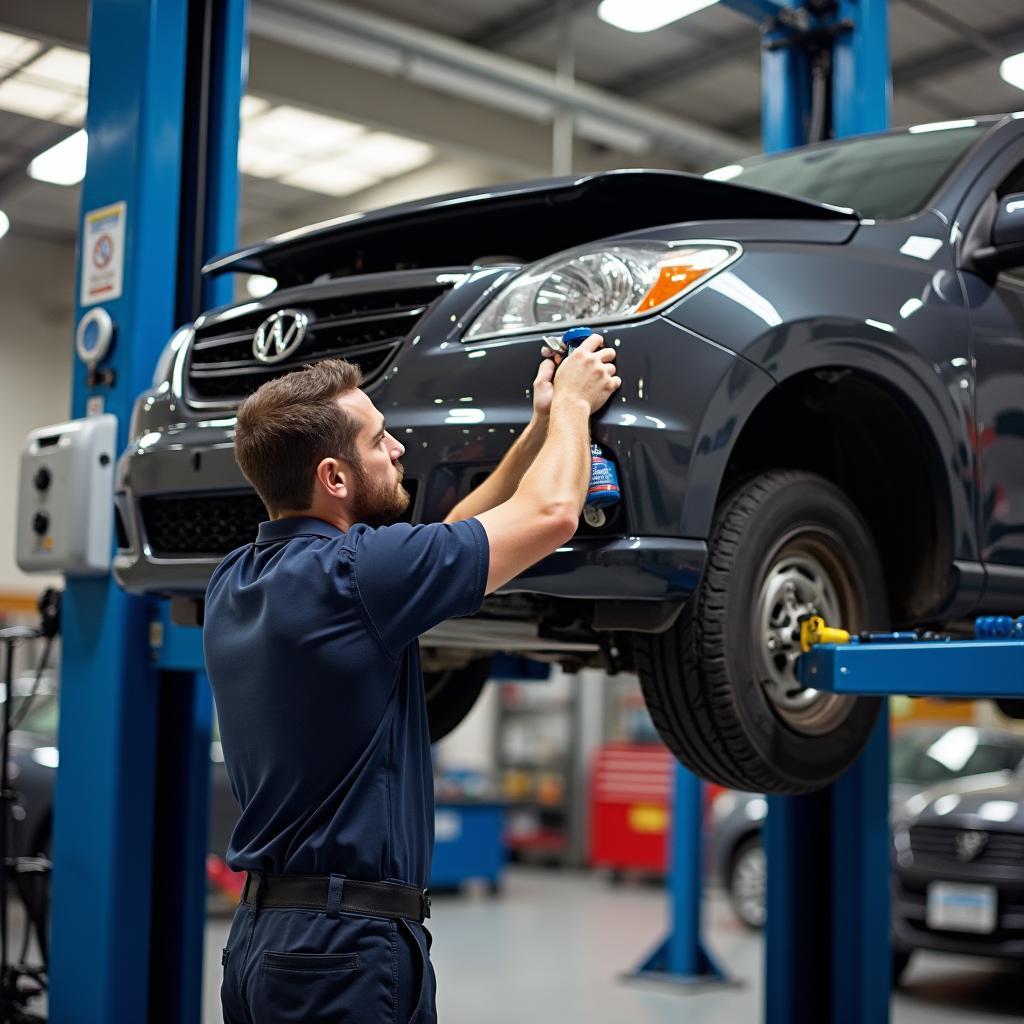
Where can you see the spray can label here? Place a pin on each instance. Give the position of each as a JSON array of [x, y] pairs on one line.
[[604, 480]]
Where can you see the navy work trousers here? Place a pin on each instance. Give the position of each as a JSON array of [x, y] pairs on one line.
[[286, 966]]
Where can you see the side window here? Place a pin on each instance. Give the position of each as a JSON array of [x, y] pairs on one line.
[[1013, 182]]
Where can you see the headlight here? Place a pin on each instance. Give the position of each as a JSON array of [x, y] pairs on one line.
[[163, 365], [596, 284]]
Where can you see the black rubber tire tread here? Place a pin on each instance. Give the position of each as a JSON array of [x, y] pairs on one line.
[[452, 693], [683, 671]]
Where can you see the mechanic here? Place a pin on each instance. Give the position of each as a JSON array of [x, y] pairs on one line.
[[310, 637]]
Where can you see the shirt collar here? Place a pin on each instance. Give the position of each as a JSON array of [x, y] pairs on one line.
[[296, 526]]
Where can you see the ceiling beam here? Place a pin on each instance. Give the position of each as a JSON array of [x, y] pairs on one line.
[[714, 51], [502, 31], [438, 63]]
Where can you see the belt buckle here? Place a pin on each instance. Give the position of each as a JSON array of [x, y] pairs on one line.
[[424, 904]]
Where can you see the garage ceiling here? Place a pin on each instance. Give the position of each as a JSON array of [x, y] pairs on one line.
[[700, 75]]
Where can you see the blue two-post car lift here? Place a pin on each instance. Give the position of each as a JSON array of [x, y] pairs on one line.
[[129, 844]]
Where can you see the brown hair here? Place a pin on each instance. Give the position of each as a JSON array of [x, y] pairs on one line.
[[289, 425]]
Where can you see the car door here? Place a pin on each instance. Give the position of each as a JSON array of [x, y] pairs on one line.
[[996, 309]]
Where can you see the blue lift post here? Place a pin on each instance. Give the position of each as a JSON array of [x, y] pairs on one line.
[[682, 958], [131, 800], [827, 959]]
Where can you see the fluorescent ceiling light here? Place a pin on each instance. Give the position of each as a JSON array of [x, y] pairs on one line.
[[388, 155], [300, 131], [263, 161], [1012, 70], [251, 106], [331, 177], [941, 126], [5, 223], [320, 153], [726, 173], [36, 101], [62, 67], [15, 50], [647, 15], [51, 88], [63, 164]]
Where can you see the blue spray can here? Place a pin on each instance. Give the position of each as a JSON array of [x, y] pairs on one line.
[[603, 491]]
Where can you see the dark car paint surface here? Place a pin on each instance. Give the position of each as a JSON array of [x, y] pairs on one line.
[[928, 355]]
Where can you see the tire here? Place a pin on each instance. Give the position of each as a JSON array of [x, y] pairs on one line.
[[747, 877], [785, 544], [451, 694], [1012, 707]]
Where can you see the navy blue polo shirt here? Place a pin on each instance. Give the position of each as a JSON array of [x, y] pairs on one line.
[[310, 638]]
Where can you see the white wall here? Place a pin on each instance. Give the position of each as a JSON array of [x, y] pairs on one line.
[[37, 304]]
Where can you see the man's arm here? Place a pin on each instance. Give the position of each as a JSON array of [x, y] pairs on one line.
[[544, 511], [503, 481]]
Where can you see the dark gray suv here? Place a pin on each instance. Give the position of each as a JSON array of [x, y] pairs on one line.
[[822, 411]]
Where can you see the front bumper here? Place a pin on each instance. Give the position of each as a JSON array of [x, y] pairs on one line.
[[193, 465], [910, 928]]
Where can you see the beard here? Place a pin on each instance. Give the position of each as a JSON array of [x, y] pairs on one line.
[[378, 502]]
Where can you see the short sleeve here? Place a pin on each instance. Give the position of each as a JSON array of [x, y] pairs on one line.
[[410, 578]]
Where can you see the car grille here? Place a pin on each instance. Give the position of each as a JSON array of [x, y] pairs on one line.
[[937, 843], [365, 328], [211, 525]]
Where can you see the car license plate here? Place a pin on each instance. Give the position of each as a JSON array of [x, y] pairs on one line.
[[962, 908]]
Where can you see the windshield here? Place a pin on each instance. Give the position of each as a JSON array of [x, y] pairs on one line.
[[881, 176], [926, 757]]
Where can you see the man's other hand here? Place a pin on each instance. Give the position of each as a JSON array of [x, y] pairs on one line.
[[588, 371], [543, 388]]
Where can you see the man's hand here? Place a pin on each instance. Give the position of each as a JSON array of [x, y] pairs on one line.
[[589, 372], [543, 389]]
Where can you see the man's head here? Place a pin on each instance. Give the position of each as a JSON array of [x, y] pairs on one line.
[[311, 442]]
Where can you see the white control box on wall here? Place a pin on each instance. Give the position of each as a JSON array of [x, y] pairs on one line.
[[66, 497]]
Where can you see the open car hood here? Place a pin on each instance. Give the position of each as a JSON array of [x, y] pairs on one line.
[[519, 223]]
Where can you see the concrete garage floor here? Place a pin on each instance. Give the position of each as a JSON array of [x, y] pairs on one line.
[[553, 947]]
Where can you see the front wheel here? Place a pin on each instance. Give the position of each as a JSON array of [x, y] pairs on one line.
[[721, 684], [451, 694]]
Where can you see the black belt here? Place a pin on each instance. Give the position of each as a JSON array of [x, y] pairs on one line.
[[334, 892]]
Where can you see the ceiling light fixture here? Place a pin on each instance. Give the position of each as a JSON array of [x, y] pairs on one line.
[[52, 87], [63, 164], [15, 50], [647, 15], [1012, 70]]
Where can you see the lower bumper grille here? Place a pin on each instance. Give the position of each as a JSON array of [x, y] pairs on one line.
[[210, 525], [201, 525]]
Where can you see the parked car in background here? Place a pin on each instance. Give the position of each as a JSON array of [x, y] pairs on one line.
[[921, 756], [820, 413], [958, 878], [34, 759]]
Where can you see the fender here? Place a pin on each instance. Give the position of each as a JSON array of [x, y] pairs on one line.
[[939, 403]]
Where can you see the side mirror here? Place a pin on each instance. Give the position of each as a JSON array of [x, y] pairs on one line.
[[1007, 247], [1008, 228]]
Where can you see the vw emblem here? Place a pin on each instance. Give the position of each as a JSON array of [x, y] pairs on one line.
[[279, 335], [970, 844]]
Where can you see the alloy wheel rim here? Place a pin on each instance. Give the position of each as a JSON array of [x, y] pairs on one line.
[[806, 576]]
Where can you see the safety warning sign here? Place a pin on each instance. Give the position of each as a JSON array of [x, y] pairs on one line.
[[103, 254]]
